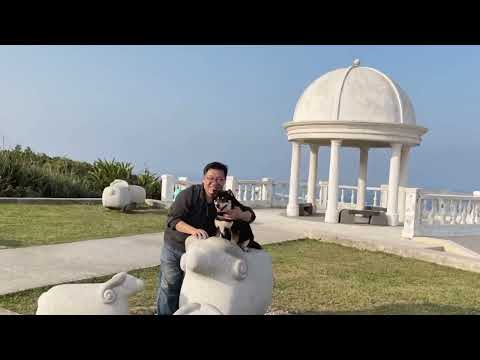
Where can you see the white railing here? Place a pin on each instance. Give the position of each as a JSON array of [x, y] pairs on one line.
[[180, 184], [280, 191], [440, 214], [250, 190], [257, 193], [171, 186], [373, 193], [269, 193]]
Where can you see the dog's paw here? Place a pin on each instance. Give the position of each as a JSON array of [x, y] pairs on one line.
[[244, 248]]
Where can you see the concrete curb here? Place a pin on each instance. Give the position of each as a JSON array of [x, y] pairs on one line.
[[57, 201], [52, 201], [431, 256], [7, 312]]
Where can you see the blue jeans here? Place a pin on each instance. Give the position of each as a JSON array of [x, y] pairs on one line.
[[170, 279]]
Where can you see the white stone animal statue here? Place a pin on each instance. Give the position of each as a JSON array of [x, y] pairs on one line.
[[121, 195], [108, 298], [222, 279]]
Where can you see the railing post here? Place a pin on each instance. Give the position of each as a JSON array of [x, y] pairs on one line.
[[267, 191], [231, 184], [168, 184], [463, 218], [476, 212], [322, 196], [413, 213], [453, 215], [383, 195]]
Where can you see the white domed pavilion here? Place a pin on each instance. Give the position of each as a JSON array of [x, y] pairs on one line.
[[356, 107]]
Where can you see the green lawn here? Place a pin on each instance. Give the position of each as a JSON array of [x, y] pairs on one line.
[[27, 225], [312, 277]]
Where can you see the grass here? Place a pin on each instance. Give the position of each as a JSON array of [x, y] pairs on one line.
[[28, 225], [312, 277]]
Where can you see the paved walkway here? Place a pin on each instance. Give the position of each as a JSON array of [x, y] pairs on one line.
[[30, 267], [37, 266]]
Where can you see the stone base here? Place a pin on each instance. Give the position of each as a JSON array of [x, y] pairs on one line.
[[293, 210], [392, 219], [331, 217]]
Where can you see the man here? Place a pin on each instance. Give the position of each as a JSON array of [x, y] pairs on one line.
[[192, 213]]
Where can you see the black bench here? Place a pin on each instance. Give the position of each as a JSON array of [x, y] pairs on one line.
[[375, 208], [347, 216], [305, 209]]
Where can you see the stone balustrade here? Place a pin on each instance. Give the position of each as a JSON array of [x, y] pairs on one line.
[[267, 193], [441, 214]]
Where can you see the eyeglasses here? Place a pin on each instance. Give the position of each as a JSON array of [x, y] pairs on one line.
[[212, 179]]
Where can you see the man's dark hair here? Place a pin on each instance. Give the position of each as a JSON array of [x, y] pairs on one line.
[[217, 166]]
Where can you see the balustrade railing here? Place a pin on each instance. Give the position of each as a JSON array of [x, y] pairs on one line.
[[445, 214], [269, 193]]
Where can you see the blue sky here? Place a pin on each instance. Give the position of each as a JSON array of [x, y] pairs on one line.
[[176, 108]]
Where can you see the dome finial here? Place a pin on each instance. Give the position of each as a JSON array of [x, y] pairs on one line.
[[356, 62]]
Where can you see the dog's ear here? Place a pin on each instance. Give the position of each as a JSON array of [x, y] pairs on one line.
[[230, 192]]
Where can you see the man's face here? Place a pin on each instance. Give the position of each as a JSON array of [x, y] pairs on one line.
[[213, 181]]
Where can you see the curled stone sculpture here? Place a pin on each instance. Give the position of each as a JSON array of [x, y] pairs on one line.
[[220, 278], [108, 298], [121, 195]]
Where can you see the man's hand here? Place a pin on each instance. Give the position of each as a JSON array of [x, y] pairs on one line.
[[200, 234], [237, 214]]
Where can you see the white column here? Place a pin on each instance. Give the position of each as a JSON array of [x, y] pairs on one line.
[[331, 216], [312, 176], [362, 178], [292, 207], [403, 182], [393, 181]]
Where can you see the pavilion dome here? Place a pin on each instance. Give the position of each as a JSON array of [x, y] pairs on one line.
[[357, 94]]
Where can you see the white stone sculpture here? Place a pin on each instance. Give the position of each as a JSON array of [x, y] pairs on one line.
[[108, 298], [121, 195], [220, 278]]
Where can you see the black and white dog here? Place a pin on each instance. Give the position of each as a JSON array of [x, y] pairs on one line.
[[237, 231]]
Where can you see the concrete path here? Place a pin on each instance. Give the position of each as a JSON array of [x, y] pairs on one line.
[[37, 266]]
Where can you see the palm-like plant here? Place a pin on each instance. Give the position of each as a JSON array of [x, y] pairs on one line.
[[104, 172], [149, 181]]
